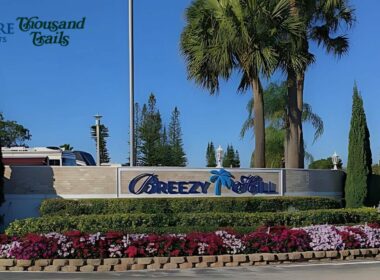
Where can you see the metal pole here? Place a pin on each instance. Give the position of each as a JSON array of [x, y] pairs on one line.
[[131, 89], [98, 142]]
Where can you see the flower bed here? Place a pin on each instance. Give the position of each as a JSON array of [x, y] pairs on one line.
[[77, 245]]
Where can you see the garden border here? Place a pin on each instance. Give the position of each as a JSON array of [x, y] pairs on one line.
[[166, 263]]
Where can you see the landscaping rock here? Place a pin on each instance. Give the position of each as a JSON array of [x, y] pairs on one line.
[[3, 268], [111, 261], [193, 259], [34, 268], [239, 258], [128, 261], [121, 267], [87, 268], [255, 257], [144, 261], [24, 263], [224, 258], [161, 260], [154, 266], [231, 264], [76, 262], [217, 264], [294, 256], [355, 252], [60, 262], [7, 262], [332, 254], [319, 254], [170, 266], [201, 265], [209, 259], [138, 266], [186, 265], [269, 257], [374, 251], [42, 262], [282, 256], [52, 268], [177, 259], [104, 268], [16, 268], [69, 268], [94, 262]]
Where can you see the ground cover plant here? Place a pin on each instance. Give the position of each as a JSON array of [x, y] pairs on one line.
[[277, 239]]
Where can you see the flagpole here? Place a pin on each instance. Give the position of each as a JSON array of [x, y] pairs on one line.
[[131, 89]]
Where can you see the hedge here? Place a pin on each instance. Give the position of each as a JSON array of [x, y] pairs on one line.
[[187, 205], [186, 222]]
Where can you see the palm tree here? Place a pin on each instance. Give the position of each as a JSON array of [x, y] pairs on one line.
[[221, 36], [323, 19], [67, 147], [276, 115]]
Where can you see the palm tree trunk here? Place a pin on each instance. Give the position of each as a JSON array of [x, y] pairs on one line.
[[259, 124], [300, 87], [292, 141]]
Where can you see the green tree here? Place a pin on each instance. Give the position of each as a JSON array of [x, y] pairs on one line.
[[165, 150], [12, 133], [103, 135], [222, 36], [210, 155], [178, 156], [277, 118], [236, 162], [325, 163], [150, 134], [359, 155], [323, 21], [67, 147]]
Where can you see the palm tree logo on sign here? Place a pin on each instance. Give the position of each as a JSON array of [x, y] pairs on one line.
[[221, 178]]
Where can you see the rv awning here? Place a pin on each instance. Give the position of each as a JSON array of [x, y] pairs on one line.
[[33, 161]]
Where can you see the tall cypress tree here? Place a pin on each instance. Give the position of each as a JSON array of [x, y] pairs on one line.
[[236, 159], [103, 135], [359, 155], [229, 157], [175, 140], [210, 155], [150, 133]]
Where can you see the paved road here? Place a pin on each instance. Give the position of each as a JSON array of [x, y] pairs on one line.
[[335, 271]]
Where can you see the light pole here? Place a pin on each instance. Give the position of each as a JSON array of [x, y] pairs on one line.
[[131, 89], [97, 124]]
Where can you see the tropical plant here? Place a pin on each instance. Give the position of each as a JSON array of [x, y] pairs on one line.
[[323, 20], [67, 147], [223, 36], [359, 155], [12, 133], [221, 178], [277, 118]]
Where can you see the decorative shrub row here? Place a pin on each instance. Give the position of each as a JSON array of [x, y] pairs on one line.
[[188, 222], [116, 244], [187, 205]]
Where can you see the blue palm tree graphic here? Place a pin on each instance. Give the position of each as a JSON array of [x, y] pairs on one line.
[[221, 178]]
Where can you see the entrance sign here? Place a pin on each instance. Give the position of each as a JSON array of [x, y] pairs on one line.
[[185, 182]]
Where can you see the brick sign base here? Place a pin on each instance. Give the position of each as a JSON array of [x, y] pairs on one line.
[[155, 263]]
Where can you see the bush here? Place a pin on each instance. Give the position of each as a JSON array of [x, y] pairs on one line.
[[187, 222], [187, 205]]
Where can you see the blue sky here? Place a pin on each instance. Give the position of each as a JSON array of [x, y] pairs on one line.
[[55, 91]]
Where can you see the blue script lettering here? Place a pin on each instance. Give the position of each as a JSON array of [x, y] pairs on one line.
[[150, 184]]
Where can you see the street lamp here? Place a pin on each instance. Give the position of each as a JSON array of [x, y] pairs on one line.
[[335, 160], [97, 124], [219, 157]]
